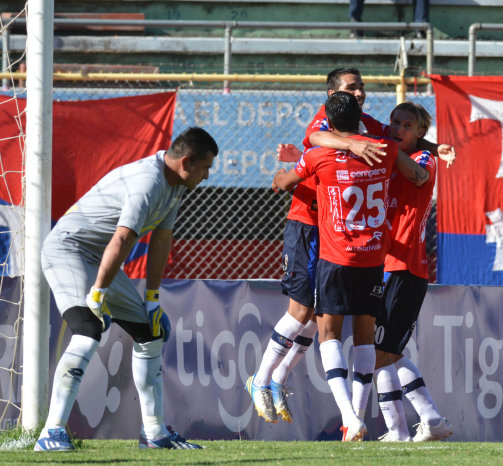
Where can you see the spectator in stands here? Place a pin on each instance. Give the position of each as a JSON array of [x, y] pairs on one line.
[[421, 14]]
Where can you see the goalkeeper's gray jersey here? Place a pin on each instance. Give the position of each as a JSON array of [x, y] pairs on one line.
[[136, 196]]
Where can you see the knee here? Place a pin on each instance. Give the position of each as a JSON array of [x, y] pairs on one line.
[[300, 312], [147, 350], [384, 359], [81, 321]]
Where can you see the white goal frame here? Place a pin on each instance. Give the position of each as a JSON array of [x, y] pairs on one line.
[[39, 57]]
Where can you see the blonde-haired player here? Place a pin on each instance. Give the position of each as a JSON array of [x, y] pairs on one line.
[[406, 285]]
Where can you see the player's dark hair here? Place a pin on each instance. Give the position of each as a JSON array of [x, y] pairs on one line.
[[343, 111], [194, 142], [334, 77], [423, 118]]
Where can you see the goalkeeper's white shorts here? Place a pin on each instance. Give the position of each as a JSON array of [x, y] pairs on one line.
[[70, 276]]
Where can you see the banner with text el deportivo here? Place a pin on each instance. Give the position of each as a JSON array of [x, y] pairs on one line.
[[470, 192]]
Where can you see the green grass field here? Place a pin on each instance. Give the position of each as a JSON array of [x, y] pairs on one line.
[[255, 452]]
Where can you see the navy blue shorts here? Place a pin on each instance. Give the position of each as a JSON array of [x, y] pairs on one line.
[[403, 296], [344, 290], [300, 256]]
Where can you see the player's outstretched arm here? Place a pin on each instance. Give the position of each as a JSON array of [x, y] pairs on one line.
[[285, 180], [444, 152], [288, 153], [369, 151], [411, 169]]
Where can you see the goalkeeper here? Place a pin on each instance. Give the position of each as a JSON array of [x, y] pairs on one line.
[[82, 258]]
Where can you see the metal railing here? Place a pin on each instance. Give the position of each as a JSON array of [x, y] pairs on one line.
[[472, 39], [229, 26], [401, 82]]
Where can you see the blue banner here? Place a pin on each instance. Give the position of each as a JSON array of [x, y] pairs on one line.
[[249, 125]]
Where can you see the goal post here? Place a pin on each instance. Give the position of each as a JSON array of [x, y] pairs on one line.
[[40, 21]]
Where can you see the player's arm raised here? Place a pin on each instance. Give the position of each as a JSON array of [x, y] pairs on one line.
[[411, 169], [285, 180], [368, 151]]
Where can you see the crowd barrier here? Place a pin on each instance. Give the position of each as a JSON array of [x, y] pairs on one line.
[[219, 332]]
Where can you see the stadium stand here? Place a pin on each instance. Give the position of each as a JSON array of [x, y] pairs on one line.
[[285, 50]]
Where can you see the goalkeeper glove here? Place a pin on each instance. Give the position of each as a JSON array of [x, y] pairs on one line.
[[158, 320], [95, 300]]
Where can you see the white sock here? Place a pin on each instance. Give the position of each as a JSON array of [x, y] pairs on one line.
[[147, 375], [389, 393], [364, 359], [416, 392], [297, 351], [285, 331], [67, 379], [336, 371]]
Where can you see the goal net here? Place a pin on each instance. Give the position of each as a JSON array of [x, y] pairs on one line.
[[12, 202]]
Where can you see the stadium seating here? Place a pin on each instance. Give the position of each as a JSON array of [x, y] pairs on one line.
[[285, 50]]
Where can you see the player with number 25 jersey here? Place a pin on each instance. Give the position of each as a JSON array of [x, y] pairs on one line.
[[352, 211]]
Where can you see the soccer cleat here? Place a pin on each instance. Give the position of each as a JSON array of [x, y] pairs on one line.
[[262, 399], [279, 393], [56, 440], [354, 432], [174, 441], [387, 437], [426, 433]]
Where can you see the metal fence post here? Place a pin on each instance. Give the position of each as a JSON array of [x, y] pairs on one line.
[[5, 56], [472, 38], [227, 57]]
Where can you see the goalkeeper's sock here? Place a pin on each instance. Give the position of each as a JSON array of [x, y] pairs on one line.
[[67, 379], [297, 351], [147, 375], [281, 341]]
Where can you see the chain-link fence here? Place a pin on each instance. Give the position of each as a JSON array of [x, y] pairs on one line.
[[231, 226]]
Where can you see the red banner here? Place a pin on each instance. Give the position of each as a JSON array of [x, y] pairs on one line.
[[90, 138], [470, 192]]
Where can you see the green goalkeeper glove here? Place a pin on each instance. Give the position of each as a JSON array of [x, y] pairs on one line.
[[158, 320], [95, 301]]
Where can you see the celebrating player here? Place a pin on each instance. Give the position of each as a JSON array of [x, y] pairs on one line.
[[294, 332], [81, 259], [353, 242], [318, 134], [406, 287]]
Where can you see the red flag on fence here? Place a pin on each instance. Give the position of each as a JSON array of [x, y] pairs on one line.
[[90, 138], [470, 192]]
